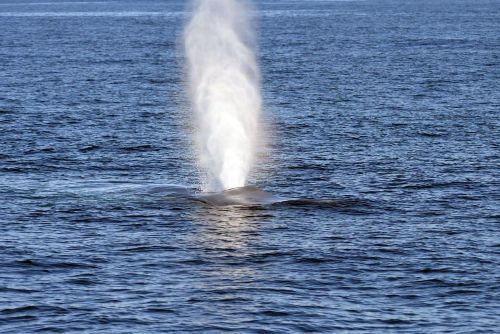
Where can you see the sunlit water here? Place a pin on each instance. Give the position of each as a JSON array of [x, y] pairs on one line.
[[382, 173]]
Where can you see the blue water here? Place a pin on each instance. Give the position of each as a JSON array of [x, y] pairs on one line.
[[383, 124]]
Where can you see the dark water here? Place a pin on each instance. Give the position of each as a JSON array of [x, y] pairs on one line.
[[384, 114]]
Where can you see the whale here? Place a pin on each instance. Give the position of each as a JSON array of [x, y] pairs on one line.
[[247, 196]]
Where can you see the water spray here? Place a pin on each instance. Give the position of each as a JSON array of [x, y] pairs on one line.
[[224, 90]]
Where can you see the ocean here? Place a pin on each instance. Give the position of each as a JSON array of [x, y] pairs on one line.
[[381, 122]]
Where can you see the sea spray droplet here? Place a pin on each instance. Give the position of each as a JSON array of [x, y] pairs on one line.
[[224, 86]]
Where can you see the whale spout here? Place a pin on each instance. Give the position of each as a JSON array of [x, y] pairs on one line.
[[224, 90]]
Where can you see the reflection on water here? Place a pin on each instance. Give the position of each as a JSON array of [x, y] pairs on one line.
[[225, 244], [226, 229]]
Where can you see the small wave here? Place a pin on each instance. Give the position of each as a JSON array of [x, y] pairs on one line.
[[40, 150], [33, 309], [138, 148], [274, 313], [159, 310], [51, 265], [312, 260], [436, 270], [17, 290], [144, 249], [89, 148], [326, 203], [82, 281], [436, 184], [395, 321]]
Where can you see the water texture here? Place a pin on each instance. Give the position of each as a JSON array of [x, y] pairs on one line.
[[383, 121]]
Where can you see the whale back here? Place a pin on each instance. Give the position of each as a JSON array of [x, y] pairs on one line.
[[248, 195]]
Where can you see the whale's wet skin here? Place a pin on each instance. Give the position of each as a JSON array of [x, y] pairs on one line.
[[240, 196], [375, 210], [249, 196]]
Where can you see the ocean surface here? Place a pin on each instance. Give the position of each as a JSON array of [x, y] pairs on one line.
[[383, 132]]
